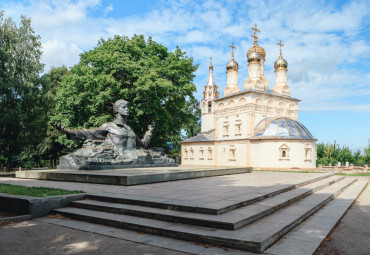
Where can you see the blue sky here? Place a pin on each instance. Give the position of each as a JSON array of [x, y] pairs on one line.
[[327, 46]]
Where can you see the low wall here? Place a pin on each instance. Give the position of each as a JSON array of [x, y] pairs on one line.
[[35, 206], [339, 169]]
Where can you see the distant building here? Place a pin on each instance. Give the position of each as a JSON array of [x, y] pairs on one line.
[[254, 127]]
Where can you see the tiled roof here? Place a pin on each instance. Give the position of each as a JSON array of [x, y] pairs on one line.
[[202, 137]]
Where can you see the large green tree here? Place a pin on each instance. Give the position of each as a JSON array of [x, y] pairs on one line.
[[21, 102], [53, 145], [153, 80]]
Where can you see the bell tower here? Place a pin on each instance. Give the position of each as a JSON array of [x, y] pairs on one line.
[[210, 93]]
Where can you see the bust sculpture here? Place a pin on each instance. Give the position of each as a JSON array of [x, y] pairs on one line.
[[111, 146]]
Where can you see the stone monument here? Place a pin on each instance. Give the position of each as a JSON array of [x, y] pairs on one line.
[[114, 145]]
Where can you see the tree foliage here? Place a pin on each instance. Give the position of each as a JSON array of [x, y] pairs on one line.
[[22, 114], [333, 153], [154, 81]]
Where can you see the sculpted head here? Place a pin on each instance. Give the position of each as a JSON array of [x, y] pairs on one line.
[[121, 107]]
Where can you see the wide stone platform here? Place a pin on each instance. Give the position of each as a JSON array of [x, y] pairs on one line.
[[248, 211], [128, 177], [269, 212]]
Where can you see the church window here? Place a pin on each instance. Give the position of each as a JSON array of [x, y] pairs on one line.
[[292, 106], [232, 151], [307, 152], [238, 127], [259, 101], [191, 153], [209, 107], [201, 151], [226, 128], [220, 106], [186, 153], [282, 105], [284, 152], [231, 103], [210, 151]]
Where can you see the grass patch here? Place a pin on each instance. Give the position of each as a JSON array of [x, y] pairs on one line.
[[3, 172], [362, 174], [35, 191]]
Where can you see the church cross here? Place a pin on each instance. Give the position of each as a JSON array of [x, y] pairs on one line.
[[281, 45], [232, 49], [254, 36]]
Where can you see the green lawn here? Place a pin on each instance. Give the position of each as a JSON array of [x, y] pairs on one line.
[[362, 174], [35, 191], [287, 171]]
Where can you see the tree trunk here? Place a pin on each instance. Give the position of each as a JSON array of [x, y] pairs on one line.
[[9, 164], [9, 161]]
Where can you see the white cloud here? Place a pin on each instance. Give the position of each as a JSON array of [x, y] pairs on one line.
[[57, 53]]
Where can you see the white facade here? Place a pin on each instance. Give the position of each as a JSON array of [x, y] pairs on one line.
[[256, 127]]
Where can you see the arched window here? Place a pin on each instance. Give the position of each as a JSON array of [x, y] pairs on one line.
[[210, 152], [209, 107], [191, 153], [201, 150], [186, 154], [284, 152], [307, 152], [238, 127], [232, 151]]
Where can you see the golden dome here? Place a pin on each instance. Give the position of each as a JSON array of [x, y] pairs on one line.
[[254, 57], [281, 63], [232, 65], [257, 48]]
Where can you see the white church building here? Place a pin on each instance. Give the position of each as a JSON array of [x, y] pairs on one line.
[[254, 127]]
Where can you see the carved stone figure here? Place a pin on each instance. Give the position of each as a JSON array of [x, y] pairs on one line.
[[113, 145]]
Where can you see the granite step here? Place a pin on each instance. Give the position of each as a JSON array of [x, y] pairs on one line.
[[215, 209], [255, 237], [230, 220], [307, 237]]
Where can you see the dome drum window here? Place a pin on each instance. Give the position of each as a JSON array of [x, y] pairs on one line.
[[284, 152], [186, 153], [307, 152], [191, 153], [201, 151], [210, 152]]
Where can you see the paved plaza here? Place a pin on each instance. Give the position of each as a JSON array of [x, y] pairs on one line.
[[66, 236]]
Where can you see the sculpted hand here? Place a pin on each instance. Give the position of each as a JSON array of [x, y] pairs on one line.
[[151, 126]]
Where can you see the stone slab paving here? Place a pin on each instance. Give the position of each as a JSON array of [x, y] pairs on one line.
[[306, 238], [256, 236], [131, 176], [352, 234], [143, 238], [216, 192], [229, 220], [38, 237]]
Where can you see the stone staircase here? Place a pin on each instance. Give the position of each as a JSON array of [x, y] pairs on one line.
[[252, 224]]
